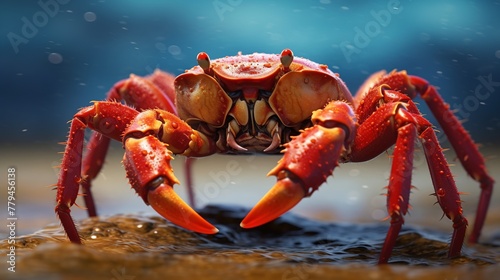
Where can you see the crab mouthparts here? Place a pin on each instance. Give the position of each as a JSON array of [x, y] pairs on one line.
[[260, 142]]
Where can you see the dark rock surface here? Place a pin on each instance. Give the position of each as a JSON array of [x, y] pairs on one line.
[[291, 247]]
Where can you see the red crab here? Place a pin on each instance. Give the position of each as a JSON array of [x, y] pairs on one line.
[[269, 103]]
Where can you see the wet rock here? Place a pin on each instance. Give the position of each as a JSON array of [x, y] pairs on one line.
[[291, 247]]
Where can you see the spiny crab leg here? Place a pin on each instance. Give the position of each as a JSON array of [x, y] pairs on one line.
[[308, 160], [146, 160]]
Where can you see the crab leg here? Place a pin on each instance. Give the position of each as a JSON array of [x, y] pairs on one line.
[[398, 190], [70, 176], [154, 91], [147, 160], [397, 122], [394, 120], [465, 148], [446, 190], [307, 161], [391, 123]]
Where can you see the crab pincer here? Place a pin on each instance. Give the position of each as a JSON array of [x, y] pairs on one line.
[[308, 160]]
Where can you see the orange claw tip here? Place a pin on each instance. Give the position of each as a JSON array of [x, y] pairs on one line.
[[282, 197], [169, 205]]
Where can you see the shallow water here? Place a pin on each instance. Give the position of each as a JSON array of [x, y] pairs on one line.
[[291, 247]]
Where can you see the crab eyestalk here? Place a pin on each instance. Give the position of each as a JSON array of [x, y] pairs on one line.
[[203, 61], [286, 59]]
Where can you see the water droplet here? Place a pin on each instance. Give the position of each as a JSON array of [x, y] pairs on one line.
[[55, 58], [354, 172], [89, 16]]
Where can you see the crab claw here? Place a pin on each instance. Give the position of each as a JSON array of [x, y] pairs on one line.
[[285, 194], [147, 162], [168, 204]]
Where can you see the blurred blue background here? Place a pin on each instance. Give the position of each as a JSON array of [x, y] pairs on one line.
[[58, 55]]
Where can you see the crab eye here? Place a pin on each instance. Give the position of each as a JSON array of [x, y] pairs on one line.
[[235, 94]]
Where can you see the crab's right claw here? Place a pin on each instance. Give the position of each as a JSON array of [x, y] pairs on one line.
[[147, 162], [169, 205]]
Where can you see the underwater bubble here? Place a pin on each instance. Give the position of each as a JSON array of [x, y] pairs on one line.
[[174, 50], [160, 46], [55, 58], [89, 16]]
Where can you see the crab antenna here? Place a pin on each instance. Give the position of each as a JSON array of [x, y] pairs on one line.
[[286, 59], [203, 61]]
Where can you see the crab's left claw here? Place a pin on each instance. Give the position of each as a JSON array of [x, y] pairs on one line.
[[285, 194], [308, 160], [147, 162]]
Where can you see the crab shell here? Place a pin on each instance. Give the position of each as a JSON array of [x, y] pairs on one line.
[[266, 85]]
